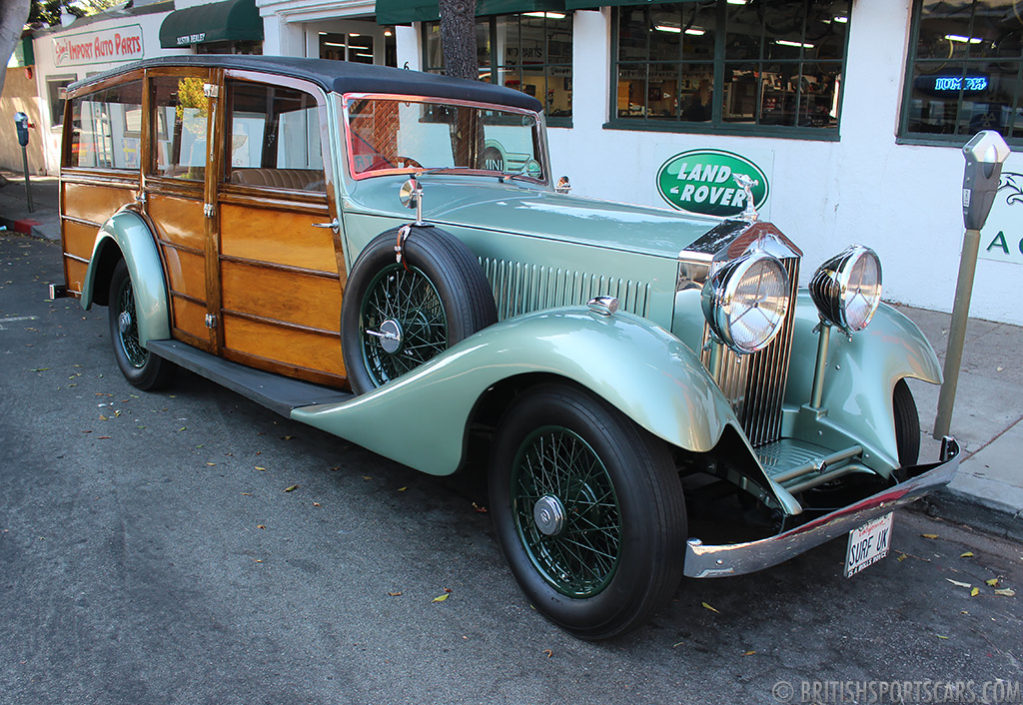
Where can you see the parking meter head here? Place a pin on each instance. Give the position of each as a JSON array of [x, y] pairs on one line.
[[984, 155], [21, 125]]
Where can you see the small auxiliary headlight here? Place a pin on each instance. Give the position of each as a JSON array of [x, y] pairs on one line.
[[745, 300], [847, 288]]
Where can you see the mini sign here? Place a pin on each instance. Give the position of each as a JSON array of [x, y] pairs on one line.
[[701, 181], [102, 47], [1002, 236]]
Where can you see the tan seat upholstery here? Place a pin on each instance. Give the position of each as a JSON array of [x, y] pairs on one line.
[[296, 179]]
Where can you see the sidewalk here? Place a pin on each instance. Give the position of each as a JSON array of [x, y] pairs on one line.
[[988, 420]]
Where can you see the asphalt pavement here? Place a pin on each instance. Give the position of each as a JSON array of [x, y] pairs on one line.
[[191, 547]]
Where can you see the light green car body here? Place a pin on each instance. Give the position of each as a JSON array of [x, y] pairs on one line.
[[560, 250]]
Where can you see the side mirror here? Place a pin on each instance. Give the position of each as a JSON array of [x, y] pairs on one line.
[[564, 185]]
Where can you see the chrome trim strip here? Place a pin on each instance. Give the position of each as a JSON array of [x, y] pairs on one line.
[[704, 561]]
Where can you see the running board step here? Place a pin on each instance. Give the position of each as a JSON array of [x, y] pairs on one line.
[[280, 394]]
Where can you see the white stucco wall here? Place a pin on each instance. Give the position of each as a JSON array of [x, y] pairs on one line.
[[902, 200]]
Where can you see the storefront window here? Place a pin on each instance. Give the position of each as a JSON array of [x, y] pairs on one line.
[[530, 52], [965, 71], [107, 128], [55, 94], [755, 66]]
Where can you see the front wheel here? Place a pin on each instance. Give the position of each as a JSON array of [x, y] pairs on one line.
[[588, 509], [139, 366]]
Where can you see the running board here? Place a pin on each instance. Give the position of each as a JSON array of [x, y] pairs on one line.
[[280, 394]]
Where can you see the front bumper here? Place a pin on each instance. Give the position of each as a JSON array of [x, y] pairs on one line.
[[702, 561]]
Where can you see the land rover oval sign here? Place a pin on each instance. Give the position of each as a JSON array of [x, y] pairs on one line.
[[700, 181]]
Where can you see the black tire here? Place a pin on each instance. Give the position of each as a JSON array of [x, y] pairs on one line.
[[907, 424], [140, 367], [564, 567], [439, 279]]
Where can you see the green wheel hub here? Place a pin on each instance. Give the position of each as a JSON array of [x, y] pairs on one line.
[[402, 322], [127, 327], [566, 511]]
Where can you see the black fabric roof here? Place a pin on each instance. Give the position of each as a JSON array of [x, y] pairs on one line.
[[343, 77]]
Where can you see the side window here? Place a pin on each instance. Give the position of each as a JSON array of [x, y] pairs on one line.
[[107, 128], [180, 115], [274, 138]]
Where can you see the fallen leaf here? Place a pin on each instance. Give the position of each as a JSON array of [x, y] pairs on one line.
[[366, 477], [902, 557], [448, 590], [402, 489], [974, 592], [548, 652], [993, 582], [710, 608], [479, 509], [749, 653], [260, 467], [246, 494], [181, 429], [102, 438], [1005, 592], [940, 636], [116, 413], [441, 598], [260, 526], [292, 488], [103, 418], [286, 438], [959, 583], [257, 560], [334, 468], [968, 554], [395, 594], [677, 644], [317, 504], [929, 536], [209, 464]]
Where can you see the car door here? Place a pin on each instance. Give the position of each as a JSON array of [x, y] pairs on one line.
[[180, 102], [279, 263]]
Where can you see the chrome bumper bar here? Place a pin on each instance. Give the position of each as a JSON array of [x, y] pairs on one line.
[[704, 561]]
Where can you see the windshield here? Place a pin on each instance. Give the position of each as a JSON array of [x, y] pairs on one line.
[[387, 135]]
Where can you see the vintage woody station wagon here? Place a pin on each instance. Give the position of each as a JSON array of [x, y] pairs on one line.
[[384, 255]]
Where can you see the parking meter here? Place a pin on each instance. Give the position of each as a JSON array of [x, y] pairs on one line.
[[21, 125], [984, 156]]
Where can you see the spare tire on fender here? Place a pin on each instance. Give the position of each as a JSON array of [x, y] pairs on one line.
[[397, 315]]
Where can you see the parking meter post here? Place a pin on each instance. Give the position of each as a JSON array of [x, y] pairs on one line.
[[28, 188], [984, 155]]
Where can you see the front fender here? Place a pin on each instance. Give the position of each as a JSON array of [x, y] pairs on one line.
[[861, 374], [420, 419], [128, 233]]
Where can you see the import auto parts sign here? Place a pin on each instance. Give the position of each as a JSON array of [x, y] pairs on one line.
[[104, 46], [701, 181], [1002, 236]]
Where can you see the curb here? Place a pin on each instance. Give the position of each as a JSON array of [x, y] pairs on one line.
[[976, 512]]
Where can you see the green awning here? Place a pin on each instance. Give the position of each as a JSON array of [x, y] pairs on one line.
[[405, 11], [231, 20], [593, 4]]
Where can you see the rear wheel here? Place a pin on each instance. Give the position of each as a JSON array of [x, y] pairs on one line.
[[139, 366], [589, 511]]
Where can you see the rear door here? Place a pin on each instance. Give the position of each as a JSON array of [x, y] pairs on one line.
[[280, 268]]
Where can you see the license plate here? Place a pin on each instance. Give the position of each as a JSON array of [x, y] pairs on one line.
[[868, 544]]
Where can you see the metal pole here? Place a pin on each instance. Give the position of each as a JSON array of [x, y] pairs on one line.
[[817, 391], [957, 332], [24, 164]]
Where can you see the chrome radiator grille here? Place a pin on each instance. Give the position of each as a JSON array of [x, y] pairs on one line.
[[520, 288], [755, 384]]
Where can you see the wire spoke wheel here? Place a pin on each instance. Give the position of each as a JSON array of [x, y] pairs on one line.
[[575, 545], [403, 323], [127, 327]]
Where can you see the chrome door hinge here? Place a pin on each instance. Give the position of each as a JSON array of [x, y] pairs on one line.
[[207, 210], [211, 320], [211, 90]]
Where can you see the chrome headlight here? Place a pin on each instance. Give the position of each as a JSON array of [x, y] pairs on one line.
[[744, 301], [847, 288]]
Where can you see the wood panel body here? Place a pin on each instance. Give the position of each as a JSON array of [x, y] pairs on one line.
[[85, 205]]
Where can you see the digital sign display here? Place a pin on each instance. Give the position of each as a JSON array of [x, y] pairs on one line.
[[944, 85]]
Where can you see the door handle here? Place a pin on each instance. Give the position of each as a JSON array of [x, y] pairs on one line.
[[333, 225]]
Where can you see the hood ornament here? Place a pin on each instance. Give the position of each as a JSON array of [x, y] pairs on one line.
[[746, 184]]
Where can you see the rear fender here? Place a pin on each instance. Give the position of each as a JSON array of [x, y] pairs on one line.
[[421, 418], [126, 234]]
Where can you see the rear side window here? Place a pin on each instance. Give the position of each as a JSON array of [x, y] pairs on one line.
[[181, 114], [274, 138], [107, 128]]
